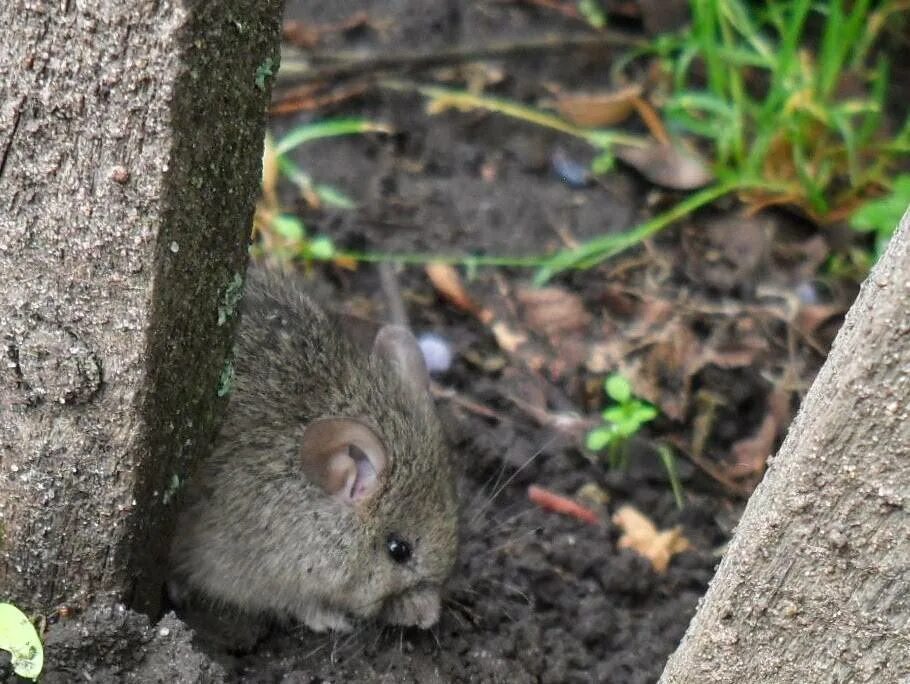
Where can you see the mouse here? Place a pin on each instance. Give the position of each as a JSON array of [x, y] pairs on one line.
[[328, 497]]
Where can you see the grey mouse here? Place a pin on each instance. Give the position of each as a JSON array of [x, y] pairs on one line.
[[329, 495]]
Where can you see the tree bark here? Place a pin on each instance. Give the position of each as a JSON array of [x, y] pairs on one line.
[[130, 150], [815, 585]]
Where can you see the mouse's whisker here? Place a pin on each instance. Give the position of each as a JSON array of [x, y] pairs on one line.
[[508, 542], [508, 519], [508, 481], [489, 485]]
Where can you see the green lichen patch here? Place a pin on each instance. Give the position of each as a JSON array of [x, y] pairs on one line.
[[232, 295], [227, 379]]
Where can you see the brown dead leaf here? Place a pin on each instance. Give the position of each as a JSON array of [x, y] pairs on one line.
[[643, 537], [552, 310], [508, 339], [598, 109], [448, 283], [663, 373], [670, 166], [652, 120]]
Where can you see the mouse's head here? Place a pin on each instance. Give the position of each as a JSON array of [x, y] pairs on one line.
[[384, 468]]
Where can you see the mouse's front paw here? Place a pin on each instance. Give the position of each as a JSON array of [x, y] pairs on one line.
[[325, 619]]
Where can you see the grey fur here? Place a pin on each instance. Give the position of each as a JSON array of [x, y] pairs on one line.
[[256, 535]]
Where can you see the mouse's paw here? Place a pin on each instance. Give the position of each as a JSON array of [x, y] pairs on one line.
[[420, 607], [325, 619]]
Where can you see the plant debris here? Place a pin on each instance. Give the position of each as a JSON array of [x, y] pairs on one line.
[[643, 537]]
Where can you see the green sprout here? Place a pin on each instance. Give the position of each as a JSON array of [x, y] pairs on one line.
[[622, 421], [19, 637]]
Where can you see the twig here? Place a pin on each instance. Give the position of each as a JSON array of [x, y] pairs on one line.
[[344, 64], [551, 501]]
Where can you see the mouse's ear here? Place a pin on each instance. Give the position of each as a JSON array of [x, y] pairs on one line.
[[396, 346], [344, 457]]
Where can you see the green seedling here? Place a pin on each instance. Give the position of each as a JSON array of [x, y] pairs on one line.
[[622, 420], [19, 637]]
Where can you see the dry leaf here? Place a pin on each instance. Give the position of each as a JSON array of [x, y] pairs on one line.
[[651, 119], [507, 339], [670, 166], [553, 310], [642, 536], [448, 283], [598, 109]]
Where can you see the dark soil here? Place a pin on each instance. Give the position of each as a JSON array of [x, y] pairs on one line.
[[536, 597]]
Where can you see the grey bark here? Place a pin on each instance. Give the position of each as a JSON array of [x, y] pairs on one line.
[[815, 585], [130, 150]]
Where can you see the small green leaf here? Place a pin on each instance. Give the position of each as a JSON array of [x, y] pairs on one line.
[[618, 388], [642, 412], [615, 414], [321, 248], [289, 227], [18, 636], [599, 438]]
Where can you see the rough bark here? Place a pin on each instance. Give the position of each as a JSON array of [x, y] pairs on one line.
[[815, 585], [130, 147]]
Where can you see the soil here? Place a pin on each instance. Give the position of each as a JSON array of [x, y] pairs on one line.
[[536, 597]]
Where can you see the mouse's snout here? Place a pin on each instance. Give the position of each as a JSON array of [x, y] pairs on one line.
[[418, 607]]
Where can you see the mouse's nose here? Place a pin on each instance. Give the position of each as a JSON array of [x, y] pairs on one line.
[[417, 607]]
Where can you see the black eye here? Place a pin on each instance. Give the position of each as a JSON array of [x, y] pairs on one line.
[[398, 548]]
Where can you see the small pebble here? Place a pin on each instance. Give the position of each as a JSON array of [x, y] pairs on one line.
[[807, 293], [572, 173], [437, 352], [175, 247]]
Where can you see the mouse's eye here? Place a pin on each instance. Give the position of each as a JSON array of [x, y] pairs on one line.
[[398, 548]]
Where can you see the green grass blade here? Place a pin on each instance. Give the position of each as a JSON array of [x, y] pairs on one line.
[[606, 246], [666, 457], [327, 129]]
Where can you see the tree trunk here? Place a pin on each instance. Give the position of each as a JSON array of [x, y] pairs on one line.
[[815, 585], [130, 146]]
